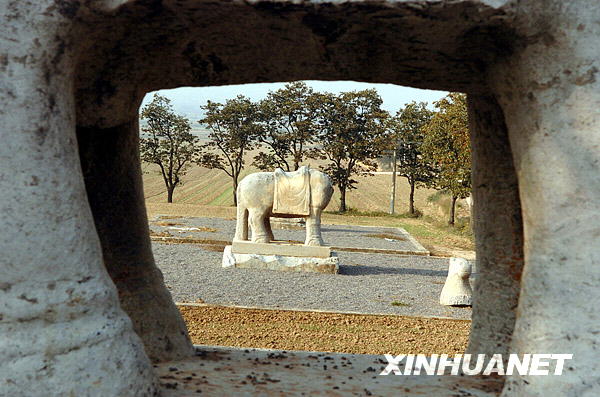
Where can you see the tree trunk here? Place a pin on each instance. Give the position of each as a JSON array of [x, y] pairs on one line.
[[170, 190], [393, 193], [452, 207], [411, 198], [342, 200], [235, 185]]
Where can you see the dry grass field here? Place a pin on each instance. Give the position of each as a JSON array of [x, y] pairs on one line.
[[202, 186]]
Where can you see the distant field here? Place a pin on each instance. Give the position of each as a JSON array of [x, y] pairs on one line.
[[213, 187]]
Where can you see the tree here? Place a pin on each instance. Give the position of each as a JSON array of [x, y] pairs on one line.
[[353, 135], [448, 149], [235, 129], [408, 132], [167, 141], [288, 117]]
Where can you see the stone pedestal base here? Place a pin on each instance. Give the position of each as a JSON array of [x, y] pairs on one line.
[[282, 263], [280, 248]]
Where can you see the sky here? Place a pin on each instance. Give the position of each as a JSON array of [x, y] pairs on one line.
[[187, 100]]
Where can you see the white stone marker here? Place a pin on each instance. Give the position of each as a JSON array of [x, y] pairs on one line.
[[284, 263], [457, 290]]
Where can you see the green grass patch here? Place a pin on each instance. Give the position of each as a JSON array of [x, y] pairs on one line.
[[390, 236], [375, 214], [437, 196], [427, 230], [224, 196], [461, 228]]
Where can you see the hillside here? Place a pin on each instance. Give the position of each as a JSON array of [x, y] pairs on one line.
[[203, 186]]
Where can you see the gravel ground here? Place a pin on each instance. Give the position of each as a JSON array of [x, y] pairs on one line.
[[333, 235], [367, 283]]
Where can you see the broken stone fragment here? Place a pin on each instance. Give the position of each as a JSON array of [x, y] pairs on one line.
[[457, 290], [283, 263]]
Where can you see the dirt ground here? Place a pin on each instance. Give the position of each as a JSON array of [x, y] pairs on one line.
[[329, 332]]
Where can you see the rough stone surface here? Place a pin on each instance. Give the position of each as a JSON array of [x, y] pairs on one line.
[[264, 372], [62, 331], [457, 289], [304, 193], [550, 94], [444, 45], [280, 263], [498, 227], [122, 225]]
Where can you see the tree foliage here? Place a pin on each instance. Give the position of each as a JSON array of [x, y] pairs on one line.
[[167, 141], [448, 149], [408, 129], [353, 134], [234, 129], [288, 119]]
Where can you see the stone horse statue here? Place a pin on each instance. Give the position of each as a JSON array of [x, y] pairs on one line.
[[302, 193]]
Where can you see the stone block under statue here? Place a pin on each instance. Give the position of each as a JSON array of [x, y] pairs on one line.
[[281, 257], [282, 248]]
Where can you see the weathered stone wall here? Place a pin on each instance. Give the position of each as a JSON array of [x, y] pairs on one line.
[[142, 46], [113, 180], [498, 228], [550, 94], [62, 331]]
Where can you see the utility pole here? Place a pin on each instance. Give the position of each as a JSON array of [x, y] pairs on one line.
[[393, 193]]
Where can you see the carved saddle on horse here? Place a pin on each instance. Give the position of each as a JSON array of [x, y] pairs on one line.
[[292, 192]]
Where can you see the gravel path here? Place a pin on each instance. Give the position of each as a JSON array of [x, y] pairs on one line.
[[367, 283]]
